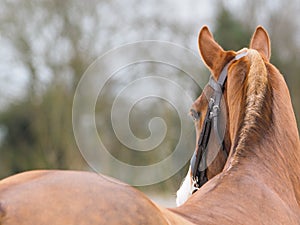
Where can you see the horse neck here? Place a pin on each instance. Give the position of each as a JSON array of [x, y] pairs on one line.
[[268, 145], [284, 140]]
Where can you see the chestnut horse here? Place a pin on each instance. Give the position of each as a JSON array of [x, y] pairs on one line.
[[259, 183]]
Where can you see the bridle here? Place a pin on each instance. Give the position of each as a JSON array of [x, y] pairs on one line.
[[211, 121]]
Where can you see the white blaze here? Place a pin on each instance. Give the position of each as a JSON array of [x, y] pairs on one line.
[[186, 189]]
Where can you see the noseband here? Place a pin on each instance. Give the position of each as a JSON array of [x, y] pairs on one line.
[[211, 121]]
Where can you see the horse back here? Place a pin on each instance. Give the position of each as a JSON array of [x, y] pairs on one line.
[[69, 197]]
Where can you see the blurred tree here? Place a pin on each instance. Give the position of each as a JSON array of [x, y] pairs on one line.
[[52, 44], [229, 32], [39, 135], [38, 127]]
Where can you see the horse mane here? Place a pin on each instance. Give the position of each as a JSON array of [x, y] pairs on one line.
[[256, 107]]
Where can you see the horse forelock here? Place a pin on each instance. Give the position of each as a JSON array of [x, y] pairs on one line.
[[255, 107]]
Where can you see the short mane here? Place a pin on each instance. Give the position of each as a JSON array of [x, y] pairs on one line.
[[256, 108]]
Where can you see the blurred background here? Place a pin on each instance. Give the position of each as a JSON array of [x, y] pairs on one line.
[[47, 45]]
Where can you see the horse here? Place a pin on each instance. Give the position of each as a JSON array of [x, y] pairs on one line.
[[259, 183], [255, 180]]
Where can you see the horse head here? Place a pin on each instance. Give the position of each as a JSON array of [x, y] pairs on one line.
[[216, 126]]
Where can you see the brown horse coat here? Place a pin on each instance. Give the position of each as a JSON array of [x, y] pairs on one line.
[[74, 197], [260, 183]]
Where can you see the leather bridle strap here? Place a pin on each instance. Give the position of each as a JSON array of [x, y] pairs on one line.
[[214, 114], [218, 92], [198, 161]]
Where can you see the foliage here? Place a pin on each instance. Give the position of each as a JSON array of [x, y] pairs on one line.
[[39, 135], [230, 33]]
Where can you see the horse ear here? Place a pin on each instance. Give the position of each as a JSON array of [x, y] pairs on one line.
[[210, 51], [261, 42]]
